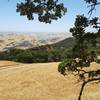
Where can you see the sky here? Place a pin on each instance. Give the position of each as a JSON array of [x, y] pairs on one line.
[[11, 21]]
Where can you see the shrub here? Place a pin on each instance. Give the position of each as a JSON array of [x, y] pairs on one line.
[[25, 57], [63, 65], [97, 60]]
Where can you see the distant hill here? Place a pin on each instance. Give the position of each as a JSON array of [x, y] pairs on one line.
[[26, 41], [66, 43], [69, 42], [45, 53], [36, 41]]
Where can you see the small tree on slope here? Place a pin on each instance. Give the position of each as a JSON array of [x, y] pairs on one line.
[[80, 56]]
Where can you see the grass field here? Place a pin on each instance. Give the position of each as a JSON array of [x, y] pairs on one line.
[[42, 82]]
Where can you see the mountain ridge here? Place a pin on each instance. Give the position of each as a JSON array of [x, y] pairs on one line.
[[25, 41]]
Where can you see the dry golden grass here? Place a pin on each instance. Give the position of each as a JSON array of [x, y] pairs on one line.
[[6, 63], [98, 57], [42, 82]]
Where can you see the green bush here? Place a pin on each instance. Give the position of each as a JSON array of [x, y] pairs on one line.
[[63, 65], [25, 57], [97, 60], [34, 56], [40, 57]]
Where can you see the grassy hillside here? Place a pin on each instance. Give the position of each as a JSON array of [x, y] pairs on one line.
[[42, 82], [69, 42], [66, 43]]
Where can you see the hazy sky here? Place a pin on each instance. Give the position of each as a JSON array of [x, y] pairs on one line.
[[12, 21]]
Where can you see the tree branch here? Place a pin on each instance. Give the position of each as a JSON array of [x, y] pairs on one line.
[[84, 84]]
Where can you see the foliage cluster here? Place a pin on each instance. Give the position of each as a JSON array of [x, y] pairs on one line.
[[34, 56], [82, 52], [47, 10]]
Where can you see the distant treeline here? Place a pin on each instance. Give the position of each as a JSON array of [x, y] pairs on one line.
[[34, 56], [49, 53]]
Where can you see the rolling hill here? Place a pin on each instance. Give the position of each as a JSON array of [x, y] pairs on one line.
[[26, 41], [42, 82], [66, 43]]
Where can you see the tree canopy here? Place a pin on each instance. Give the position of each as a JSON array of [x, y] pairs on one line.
[[47, 10]]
